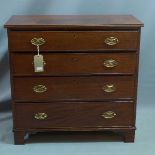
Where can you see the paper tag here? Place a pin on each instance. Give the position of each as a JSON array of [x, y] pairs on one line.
[[40, 69], [38, 63]]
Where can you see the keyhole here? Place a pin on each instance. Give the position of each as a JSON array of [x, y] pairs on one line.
[[75, 36], [75, 59]]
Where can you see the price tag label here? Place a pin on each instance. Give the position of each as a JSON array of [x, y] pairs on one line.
[[38, 63]]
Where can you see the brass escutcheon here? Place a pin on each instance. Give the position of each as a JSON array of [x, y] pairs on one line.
[[39, 88], [109, 88], [37, 41], [40, 116], [110, 63], [108, 114], [111, 41]]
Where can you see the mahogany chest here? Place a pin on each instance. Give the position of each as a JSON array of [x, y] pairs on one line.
[[74, 73]]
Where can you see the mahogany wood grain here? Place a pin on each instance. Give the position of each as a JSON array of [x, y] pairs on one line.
[[74, 73], [73, 114], [72, 22], [72, 40], [73, 88], [19, 137], [74, 64], [129, 136]]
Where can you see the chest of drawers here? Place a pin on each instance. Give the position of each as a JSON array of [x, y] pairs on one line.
[[88, 75]]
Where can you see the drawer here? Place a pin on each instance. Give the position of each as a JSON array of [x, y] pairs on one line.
[[72, 64], [72, 115], [74, 40], [73, 88]]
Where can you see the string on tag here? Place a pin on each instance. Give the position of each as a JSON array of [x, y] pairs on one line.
[[38, 49]]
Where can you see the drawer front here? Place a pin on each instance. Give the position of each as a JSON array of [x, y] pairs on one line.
[[73, 88], [74, 40], [74, 114], [72, 64]]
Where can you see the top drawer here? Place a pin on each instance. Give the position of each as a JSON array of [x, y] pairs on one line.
[[74, 40]]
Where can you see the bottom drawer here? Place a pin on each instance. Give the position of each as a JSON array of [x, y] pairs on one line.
[[73, 115]]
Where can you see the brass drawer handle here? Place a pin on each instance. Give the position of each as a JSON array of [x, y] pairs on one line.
[[38, 60], [111, 41], [39, 88], [109, 88], [110, 63], [109, 114], [37, 41], [40, 116]]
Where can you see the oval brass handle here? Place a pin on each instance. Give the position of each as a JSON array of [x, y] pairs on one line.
[[37, 41], [40, 116], [110, 63], [39, 88], [111, 41], [108, 114], [109, 88]]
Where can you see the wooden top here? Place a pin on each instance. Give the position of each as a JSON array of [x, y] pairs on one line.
[[62, 21]]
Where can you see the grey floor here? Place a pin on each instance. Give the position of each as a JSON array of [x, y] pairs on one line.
[[41, 145]]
